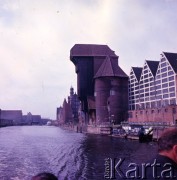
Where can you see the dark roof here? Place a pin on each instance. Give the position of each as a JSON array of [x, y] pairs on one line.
[[172, 58], [153, 65], [91, 50], [107, 69], [137, 71]]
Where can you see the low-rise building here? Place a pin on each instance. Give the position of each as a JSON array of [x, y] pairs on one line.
[[10, 117]]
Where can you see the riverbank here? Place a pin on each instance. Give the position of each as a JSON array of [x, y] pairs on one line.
[[116, 131]]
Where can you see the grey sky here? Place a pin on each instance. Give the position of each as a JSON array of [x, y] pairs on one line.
[[36, 37]]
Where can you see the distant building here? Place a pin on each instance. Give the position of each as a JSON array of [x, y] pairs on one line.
[[30, 119], [102, 86], [59, 116], [74, 103], [153, 91], [68, 113], [10, 117]]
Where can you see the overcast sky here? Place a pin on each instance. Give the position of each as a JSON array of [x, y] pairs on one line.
[[36, 37]]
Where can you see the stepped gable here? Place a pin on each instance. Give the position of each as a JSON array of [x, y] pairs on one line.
[[153, 65], [108, 69], [172, 58], [137, 71]]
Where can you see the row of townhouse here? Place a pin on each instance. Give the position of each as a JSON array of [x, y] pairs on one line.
[[153, 91]]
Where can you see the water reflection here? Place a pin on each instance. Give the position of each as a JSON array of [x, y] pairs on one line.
[[26, 151]]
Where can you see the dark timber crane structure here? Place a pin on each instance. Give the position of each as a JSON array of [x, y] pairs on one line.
[[102, 86]]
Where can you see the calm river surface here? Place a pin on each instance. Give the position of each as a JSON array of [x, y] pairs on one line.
[[28, 150]]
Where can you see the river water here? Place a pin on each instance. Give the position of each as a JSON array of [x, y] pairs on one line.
[[28, 150]]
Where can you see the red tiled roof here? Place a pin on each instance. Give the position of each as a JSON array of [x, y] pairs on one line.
[[91, 50], [108, 69]]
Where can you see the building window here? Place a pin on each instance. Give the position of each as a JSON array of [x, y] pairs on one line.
[[163, 64], [164, 85], [158, 82], [169, 68], [164, 75], [163, 59], [159, 97], [173, 101], [158, 77], [152, 98], [164, 80], [165, 90], [147, 105], [171, 78], [172, 89], [158, 92], [158, 87], [170, 73], [171, 83], [164, 69], [172, 94]]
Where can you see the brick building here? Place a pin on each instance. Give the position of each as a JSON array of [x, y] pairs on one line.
[[153, 91], [102, 85], [68, 112]]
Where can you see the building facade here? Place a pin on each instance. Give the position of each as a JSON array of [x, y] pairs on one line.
[[10, 117], [153, 91], [101, 84], [68, 113]]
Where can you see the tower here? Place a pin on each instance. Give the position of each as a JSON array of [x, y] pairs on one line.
[[87, 59], [111, 93], [94, 80]]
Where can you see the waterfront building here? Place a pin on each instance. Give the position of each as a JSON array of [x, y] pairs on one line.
[[153, 91], [102, 86], [64, 113], [74, 103], [31, 119], [59, 115], [68, 112], [10, 117]]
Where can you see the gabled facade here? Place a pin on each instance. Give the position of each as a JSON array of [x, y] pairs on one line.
[[156, 102], [165, 82], [133, 89]]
